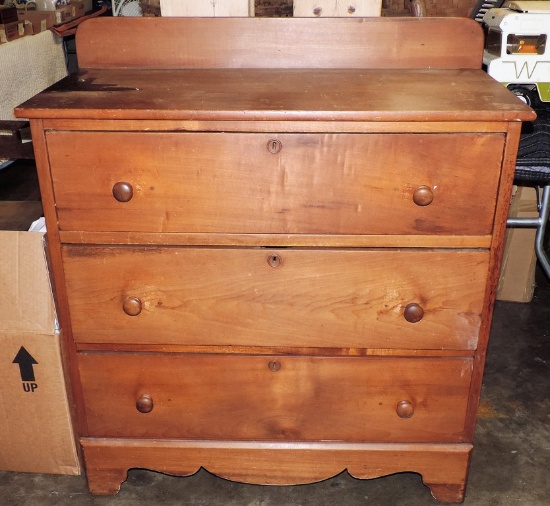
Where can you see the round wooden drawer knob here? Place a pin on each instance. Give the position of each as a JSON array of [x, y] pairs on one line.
[[144, 404], [132, 306], [405, 409], [123, 192], [413, 312], [317, 11], [423, 196]]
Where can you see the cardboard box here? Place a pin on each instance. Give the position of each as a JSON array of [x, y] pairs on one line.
[[78, 8], [11, 31], [517, 273], [88, 5], [36, 432], [7, 14], [43, 20], [62, 14], [66, 13], [39, 20]]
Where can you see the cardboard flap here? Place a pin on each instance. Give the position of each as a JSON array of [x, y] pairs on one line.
[[26, 302]]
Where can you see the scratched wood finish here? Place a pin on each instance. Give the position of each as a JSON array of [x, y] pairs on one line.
[[277, 398], [276, 183], [357, 127], [315, 298], [257, 42], [421, 96]]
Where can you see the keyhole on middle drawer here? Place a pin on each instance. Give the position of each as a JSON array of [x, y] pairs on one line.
[[274, 260], [274, 366]]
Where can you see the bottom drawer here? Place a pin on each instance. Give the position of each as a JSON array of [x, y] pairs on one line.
[[285, 398]]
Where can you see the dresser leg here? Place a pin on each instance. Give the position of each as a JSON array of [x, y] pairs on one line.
[[105, 481], [445, 493]]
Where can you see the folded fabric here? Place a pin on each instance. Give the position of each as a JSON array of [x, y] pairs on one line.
[[70, 27]]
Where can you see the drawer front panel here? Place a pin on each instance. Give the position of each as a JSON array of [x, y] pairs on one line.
[[276, 183], [410, 299], [275, 397]]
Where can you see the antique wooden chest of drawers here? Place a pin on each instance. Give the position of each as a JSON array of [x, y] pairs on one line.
[[275, 244]]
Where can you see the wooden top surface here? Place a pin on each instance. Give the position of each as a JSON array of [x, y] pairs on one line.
[[275, 94], [329, 69]]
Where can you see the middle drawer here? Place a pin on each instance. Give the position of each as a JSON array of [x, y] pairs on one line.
[[409, 299]]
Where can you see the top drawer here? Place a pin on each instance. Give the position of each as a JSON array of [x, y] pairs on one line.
[[247, 183]]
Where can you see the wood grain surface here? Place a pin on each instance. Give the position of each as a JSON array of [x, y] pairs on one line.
[[216, 397], [282, 43], [313, 298], [314, 184]]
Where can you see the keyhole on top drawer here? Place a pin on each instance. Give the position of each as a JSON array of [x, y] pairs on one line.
[[274, 260], [274, 146]]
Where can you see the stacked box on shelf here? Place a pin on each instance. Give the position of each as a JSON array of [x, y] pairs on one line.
[[12, 31], [44, 20], [7, 14]]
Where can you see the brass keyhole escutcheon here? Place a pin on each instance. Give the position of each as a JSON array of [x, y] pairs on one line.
[[123, 192], [413, 312], [405, 409], [132, 306], [274, 365], [423, 196], [144, 404], [274, 146], [274, 260]]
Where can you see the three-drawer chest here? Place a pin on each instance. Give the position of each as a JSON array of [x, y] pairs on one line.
[[275, 243]]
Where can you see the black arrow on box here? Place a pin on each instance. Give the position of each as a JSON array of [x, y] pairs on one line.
[[26, 362]]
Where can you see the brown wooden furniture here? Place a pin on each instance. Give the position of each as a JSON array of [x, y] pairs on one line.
[[275, 244]]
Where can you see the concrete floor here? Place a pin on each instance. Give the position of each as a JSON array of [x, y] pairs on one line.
[[510, 465]]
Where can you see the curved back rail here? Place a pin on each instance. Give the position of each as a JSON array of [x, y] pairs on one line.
[[384, 43]]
